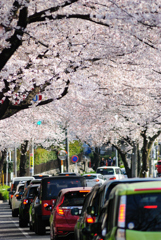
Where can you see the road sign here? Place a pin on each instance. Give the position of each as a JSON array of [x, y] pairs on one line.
[[62, 154], [75, 159]]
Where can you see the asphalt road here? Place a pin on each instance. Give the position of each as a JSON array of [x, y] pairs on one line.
[[9, 226]]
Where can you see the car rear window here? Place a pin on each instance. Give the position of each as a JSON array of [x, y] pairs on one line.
[[105, 171], [74, 198], [158, 163], [143, 212], [52, 186], [88, 177]]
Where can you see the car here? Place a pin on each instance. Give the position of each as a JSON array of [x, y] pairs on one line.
[[16, 199], [69, 174], [132, 212], [110, 173], [93, 179], [14, 183], [103, 196], [61, 220], [49, 189], [26, 200], [40, 176], [85, 217]]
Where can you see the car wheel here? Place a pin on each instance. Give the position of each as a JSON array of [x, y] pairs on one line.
[[22, 222], [14, 213], [31, 227], [39, 226]]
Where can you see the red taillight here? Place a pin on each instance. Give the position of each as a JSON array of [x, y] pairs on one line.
[[84, 191], [45, 205], [11, 196], [60, 211], [112, 178], [17, 195], [25, 201], [122, 212], [97, 180], [151, 207], [89, 220]]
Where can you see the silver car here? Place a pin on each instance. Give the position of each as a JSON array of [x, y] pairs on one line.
[[93, 179]]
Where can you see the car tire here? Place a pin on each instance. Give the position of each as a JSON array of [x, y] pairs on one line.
[[22, 222], [14, 213], [31, 227], [39, 226]]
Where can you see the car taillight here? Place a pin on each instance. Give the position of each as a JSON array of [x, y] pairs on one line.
[[97, 180], [60, 211], [45, 205], [121, 234], [25, 201], [17, 195], [11, 196], [112, 178], [122, 212], [89, 220]]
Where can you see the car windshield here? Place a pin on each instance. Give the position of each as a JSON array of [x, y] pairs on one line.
[[143, 212], [105, 171], [53, 186], [74, 198], [88, 177]]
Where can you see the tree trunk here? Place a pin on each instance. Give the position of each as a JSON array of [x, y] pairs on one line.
[[3, 158], [23, 158], [96, 157]]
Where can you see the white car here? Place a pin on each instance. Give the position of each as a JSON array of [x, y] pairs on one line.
[[110, 172], [16, 199], [93, 179]]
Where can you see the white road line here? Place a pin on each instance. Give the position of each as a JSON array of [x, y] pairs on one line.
[[21, 230]]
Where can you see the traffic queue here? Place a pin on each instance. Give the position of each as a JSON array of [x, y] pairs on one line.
[[117, 208]]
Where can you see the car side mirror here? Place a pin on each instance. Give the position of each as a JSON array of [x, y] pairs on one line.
[[75, 211], [91, 210], [49, 208]]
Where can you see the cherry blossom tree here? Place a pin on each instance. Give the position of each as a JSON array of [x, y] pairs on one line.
[[97, 61]]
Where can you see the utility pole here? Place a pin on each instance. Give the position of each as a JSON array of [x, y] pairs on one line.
[[32, 158], [15, 161], [7, 168], [67, 149]]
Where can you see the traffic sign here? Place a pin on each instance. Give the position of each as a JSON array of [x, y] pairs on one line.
[[62, 154], [75, 159]]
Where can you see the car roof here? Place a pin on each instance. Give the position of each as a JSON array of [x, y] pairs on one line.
[[92, 174], [65, 190], [22, 178], [108, 167], [136, 188]]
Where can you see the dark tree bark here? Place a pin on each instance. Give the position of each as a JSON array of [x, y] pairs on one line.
[[23, 158], [146, 149], [3, 158]]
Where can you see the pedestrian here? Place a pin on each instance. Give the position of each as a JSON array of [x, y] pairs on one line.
[[102, 163], [110, 161]]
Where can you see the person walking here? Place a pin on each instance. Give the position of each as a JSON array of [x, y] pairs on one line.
[[110, 161], [102, 163]]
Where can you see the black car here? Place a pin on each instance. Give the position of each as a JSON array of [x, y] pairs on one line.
[[26, 200], [86, 217], [49, 189]]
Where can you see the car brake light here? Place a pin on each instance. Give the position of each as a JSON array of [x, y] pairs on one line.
[[122, 211], [84, 191], [66, 174], [45, 205], [89, 220], [25, 201], [151, 207], [121, 234], [11, 196], [17, 195], [97, 180], [60, 211], [112, 178]]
